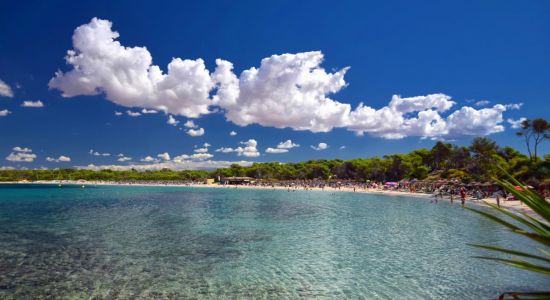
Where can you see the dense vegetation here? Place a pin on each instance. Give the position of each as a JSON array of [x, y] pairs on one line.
[[480, 161]]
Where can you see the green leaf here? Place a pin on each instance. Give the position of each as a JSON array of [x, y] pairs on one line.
[[519, 264], [513, 252]]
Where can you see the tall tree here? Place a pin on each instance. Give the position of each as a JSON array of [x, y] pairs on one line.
[[483, 150], [440, 154], [535, 131]]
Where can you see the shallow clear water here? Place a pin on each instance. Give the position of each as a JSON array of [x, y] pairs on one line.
[[172, 242]]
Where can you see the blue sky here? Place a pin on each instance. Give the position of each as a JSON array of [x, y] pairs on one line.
[[484, 55]]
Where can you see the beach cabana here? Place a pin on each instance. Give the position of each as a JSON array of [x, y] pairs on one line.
[[237, 180]]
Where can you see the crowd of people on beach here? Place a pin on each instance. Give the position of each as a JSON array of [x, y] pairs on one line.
[[442, 189], [439, 189]]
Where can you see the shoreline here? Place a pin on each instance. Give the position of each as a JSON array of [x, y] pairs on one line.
[[515, 205]]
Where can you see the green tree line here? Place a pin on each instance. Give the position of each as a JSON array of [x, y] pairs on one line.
[[480, 161]]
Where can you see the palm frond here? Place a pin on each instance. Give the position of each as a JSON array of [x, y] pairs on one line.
[[512, 252], [519, 264], [537, 228]]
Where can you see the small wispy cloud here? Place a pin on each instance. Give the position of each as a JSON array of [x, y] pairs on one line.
[[34, 104]]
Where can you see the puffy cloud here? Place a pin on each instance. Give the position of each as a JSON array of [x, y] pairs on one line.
[[321, 146], [149, 159], [413, 116], [21, 155], [172, 121], [288, 144], [5, 90], [201, 150], [289, 90], [516, 124], [164, 156], [61, 158], [21, 149], [282, 147], [195, 157], [96, 153], [275, 150], [393, 122], [469, 121], [437, 102], [190, 124], [195, 132], [201, 156], [148, 111], [342, 147], [118, 113], [133, 113], [284, 91], [35, 104], [233, 133], [4, 112], [126, 75], [249, 150], [123, 158]]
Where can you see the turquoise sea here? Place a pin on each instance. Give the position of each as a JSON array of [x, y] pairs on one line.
[[115, 242]]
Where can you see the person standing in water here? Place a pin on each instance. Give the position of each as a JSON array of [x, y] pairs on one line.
[[452, 195], [497, 194], [462, 195]]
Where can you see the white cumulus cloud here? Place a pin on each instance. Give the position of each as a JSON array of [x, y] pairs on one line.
[[4, 112], [123, 158], [288, 90], [249, 150], [172, 121], [35, 104], [133, 113], [126, 75], [282, 147], [321, 146], [96, 153], [149, 159], [5, 90], [164, 156], [516, 124], [275, 150], [232, 133], [61, 158], [22, 149], [148, 111], [195, 132], [190, 124], [288, 144], [20, 154], [284, 91]]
